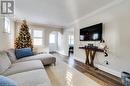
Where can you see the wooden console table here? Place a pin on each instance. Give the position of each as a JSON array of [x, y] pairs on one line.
[[90, 54]]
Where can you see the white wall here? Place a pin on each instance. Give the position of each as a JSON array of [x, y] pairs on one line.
[[53, 47], [12, 33], [60, 43], [1, 33], [116, 32], [6, 38], [66, 33]]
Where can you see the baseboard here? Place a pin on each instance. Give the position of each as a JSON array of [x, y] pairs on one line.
[[62, 53], [108, 70]]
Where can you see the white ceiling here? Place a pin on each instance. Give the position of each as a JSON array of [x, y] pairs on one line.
[[56, 12]]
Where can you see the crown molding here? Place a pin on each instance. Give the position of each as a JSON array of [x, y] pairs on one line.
[[40, 25], [114, 3]]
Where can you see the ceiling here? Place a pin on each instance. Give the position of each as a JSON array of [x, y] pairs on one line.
[[56, 12]]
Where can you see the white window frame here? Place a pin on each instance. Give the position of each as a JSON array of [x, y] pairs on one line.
[[37, 37]]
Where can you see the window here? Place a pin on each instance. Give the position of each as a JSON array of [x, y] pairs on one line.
[[7, 25], [37, 41], [71, 40], [37, 33], [95, 36], [38, 37], [52, 39]]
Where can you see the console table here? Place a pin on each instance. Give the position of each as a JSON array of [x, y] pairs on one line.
[[90, 54]]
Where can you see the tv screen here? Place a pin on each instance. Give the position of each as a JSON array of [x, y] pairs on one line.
[[91, 33]]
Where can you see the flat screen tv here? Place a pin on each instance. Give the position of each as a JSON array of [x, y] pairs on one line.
[[91, 33]]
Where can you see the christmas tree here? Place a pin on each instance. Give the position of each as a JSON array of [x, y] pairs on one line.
[[24, 38]]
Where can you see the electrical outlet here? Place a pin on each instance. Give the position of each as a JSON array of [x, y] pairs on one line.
[[106, 62]]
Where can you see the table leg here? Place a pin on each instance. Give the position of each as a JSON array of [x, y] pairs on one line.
[[87, 56], [92, 56]]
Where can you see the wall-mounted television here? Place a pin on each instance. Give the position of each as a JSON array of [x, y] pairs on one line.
[[91, 33]]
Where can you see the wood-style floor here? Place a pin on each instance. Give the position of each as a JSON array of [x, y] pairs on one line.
[[103, 78]]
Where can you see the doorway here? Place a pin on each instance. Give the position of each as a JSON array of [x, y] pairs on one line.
[[71, 45], [53, 42]]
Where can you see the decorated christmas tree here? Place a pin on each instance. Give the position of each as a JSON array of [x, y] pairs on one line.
[[24, 38]]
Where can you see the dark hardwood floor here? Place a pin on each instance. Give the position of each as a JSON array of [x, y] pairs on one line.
[[98, 75]]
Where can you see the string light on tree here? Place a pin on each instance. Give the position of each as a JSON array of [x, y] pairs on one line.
[[24, 38]]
